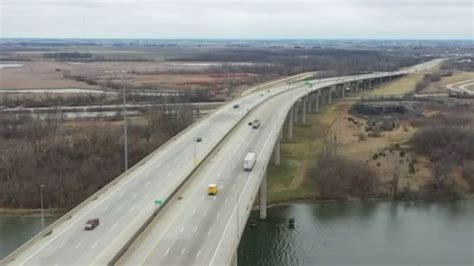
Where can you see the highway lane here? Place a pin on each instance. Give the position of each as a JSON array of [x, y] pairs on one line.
[[196, 229], [126, 206], [198, 218]]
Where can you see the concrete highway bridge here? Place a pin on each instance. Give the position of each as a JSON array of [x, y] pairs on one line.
[[158, 212]]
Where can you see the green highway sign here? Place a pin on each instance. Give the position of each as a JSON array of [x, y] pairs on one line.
[[158, 202]]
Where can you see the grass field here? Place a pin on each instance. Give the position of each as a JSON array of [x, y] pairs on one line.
[[401, 86], [288, 181]]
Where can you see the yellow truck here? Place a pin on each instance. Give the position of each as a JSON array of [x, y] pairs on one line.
[[212, 189]]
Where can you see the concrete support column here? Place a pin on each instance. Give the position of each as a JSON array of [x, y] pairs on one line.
[[330, 96], [303, 114], [290, 123], [263, 197], [317, 101], [343, 92], [276, 152], [295, 112], [311, 102]]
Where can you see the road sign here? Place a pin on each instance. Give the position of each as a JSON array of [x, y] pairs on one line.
[[158, 202]]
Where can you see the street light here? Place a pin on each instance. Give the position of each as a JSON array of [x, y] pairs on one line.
[[41, 198], [194, 152], [125, 133]]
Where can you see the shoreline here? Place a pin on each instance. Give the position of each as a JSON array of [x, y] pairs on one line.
[[9, 212], [325, 201]]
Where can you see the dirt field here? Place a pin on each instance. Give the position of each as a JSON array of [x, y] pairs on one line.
[[164, 75], [354, 147], [39, 75]]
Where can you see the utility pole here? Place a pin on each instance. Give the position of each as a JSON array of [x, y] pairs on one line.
[[125, 127]]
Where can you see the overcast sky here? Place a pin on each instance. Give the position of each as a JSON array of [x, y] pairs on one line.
[[253, 19]]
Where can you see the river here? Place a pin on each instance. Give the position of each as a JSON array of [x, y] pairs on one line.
[[362, 233]]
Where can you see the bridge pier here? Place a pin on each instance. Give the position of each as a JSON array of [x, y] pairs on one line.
[[295, 112], [303, 115], [290, 123], [330, 96], [276, 152], [343, 91], [263, 197], [317, 101]]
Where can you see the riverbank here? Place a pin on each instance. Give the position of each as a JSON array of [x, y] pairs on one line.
[[398, 170]]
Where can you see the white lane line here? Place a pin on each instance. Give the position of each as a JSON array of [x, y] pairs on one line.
[[209, 233], [147, 182], [195, 229], [204, 197], [78, 244], [205, 213], [234, 209], [225, 201], [119, 208], [166, 252], [182, 251], [95, 244], [219, 214], [134, 195], [121, 195], [106, 208], [131, 209], [182, 229], [194, 212], [168, 175], [113, 226], [199, 252], [62, 245]]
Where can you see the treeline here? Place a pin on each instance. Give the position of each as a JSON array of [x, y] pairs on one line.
[[293, 61], [89, 57], [74, 162], [135, 96], [67, 55]]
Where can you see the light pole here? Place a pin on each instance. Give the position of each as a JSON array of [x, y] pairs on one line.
[[125, 133], [237, 196], [194, 152], [41, 199]]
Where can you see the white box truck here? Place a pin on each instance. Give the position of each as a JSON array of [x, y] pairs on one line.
[[249, 161]]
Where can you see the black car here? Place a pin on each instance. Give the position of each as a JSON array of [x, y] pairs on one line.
[[236, 106], [198, 139], [91, 224]]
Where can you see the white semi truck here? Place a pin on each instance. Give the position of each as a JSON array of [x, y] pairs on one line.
[[249, 161]]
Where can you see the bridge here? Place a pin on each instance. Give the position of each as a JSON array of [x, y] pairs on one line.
[[188, 226]]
